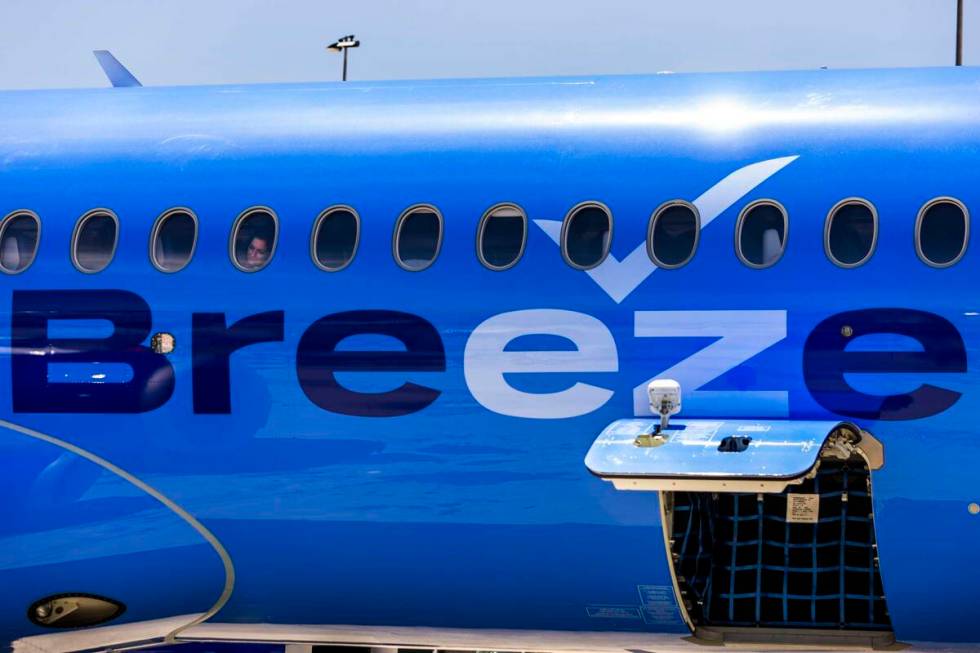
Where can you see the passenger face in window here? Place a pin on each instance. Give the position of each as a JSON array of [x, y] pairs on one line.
[[257, 253], [255, 240]]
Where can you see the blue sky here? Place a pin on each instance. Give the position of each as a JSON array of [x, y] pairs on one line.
[[48, 44]]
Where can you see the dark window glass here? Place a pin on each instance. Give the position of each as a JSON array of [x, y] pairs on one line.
[[673, 235], [851, 233], [503, 233], [335, 239], [587, 233], [762, 235], [19, 235], [254, 240], [95, 241], [173, 241], [942, 233], [417, 239]]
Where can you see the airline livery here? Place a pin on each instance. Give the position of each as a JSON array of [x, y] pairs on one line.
[[615, 363]]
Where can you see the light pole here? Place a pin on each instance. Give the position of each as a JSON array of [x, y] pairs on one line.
[[959, 32], [343, 44]]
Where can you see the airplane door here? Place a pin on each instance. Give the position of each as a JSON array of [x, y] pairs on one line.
[[83, 545], [929, 528]]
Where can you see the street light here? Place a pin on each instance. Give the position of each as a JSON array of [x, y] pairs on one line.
[[959, 32], [343, 44]]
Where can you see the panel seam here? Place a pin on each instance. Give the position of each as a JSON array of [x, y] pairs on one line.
[[170, 504]]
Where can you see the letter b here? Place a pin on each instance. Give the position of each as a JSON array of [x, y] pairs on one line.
[[152, 382]]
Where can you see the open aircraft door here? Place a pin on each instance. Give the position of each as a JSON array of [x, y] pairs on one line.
[[768, 525], [92, 557]]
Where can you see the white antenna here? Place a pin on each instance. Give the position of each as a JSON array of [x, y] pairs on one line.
[[665, 400]]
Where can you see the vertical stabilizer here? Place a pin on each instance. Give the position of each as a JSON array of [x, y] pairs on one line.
[[117, 73]]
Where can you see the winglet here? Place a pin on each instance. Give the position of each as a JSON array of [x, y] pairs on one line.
[[116, 72]]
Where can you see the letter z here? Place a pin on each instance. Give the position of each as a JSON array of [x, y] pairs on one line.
[[742, 335]]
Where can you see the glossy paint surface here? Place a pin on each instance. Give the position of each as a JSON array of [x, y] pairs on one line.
[[776, 449], [476, 510], [70, 526]]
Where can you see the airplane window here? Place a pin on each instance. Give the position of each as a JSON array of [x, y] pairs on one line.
[[335, 238], [501, 237], [94, 241], [418, 237], [672, 237], [941, 232], [586, 235], [851, 233], [760, 236], [173, 240], [19, 235], [253, 240]]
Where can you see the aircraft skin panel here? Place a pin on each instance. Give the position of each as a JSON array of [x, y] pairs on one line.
[[69, 523], [443, 484]]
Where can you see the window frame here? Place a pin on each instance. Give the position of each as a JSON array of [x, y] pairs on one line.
[[237, 225], [88, 215], [316, 228], [155, 233], [563, 238], [874, 237], [652, 223], [396, 235], [482, 227], [917, 233], [5, 222], [740, 223]]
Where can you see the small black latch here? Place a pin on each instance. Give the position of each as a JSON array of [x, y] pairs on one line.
[[74, 610], [734, 443]]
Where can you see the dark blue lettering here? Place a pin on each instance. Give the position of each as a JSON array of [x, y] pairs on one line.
[[317, 360], [152, 382], [212, 348], [825, 362]]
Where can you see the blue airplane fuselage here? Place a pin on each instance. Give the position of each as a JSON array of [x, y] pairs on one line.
[[442, 484]]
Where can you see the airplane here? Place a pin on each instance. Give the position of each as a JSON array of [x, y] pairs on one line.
[[625, 363]]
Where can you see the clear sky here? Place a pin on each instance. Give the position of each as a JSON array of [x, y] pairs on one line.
[[48, 43]]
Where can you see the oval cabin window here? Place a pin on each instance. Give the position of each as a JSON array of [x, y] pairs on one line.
[[586, 236], [501, 237], [94, 241], [20, 233], [173, 240], [253, 240], [851, 233], [761, 234], [941, 232], [418, 237], [673, 235], [335, 238]]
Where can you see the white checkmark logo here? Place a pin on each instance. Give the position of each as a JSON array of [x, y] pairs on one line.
[[620, 278]]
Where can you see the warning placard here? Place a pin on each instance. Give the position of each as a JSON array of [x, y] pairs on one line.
[[802, 508]]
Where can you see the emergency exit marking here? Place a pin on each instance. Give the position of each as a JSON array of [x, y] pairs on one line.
[[802, 508]]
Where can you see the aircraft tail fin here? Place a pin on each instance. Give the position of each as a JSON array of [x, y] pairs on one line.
[[117, 73]]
